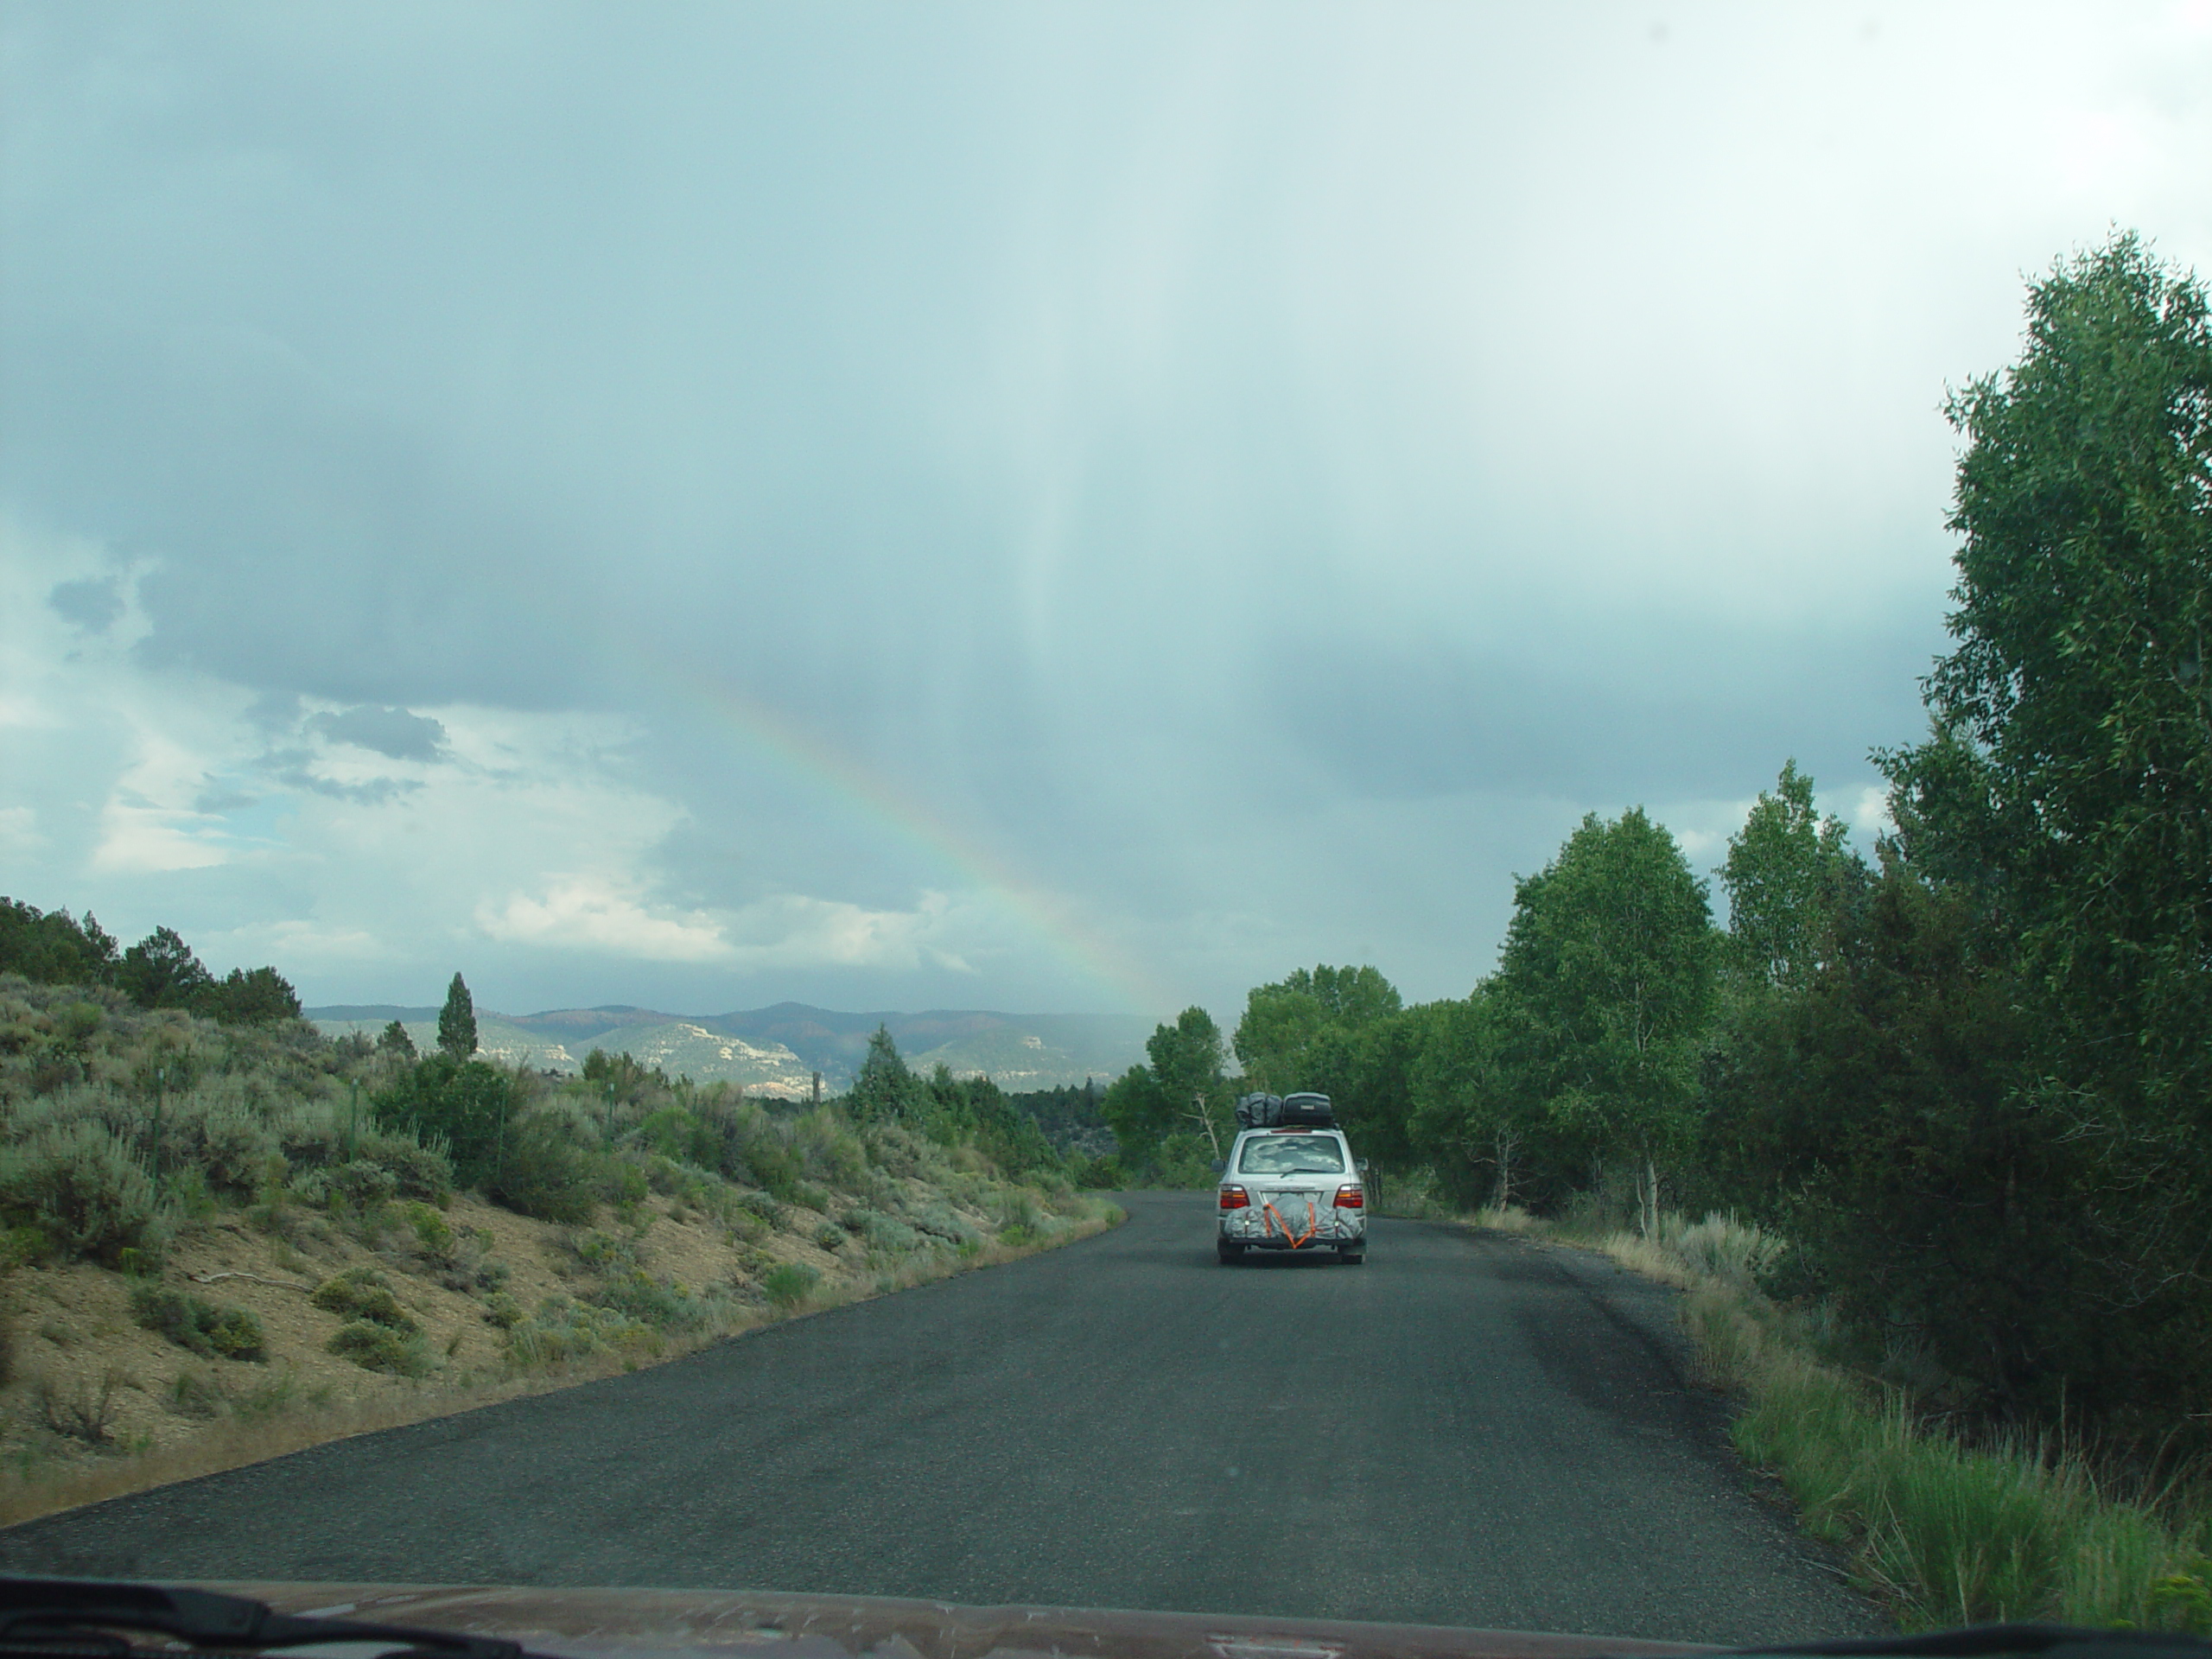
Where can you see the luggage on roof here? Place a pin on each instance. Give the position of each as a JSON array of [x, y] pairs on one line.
[[1259, 1111], [1286, 1111]]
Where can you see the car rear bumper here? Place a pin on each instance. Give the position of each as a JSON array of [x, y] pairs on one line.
[[1331, 1241], [1330, 1229]]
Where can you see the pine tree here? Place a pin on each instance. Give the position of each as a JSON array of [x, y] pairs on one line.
[[457, 1022]]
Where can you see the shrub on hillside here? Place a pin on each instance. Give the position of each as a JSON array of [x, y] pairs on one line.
[[376, 1347], [466, 1104], [363, 1294], [789, 1284], [543, 1173], [211, 1330], [82, 1188]]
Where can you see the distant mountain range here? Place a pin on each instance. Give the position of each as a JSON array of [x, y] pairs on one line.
[[777, 1051]]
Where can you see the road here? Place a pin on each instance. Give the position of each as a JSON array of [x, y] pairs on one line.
[[1469, 1430]]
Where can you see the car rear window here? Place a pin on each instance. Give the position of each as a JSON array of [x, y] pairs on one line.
[[1302, 1154]]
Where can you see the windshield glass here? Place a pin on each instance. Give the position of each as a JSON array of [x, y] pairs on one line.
[[1292, 1154]]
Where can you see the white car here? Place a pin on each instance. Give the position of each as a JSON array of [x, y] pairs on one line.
[[1290, 1188]]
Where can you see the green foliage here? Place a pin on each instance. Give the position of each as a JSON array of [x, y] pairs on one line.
[[465, 1103], [1787, 868], [884, 1089], [502, 1311], [251, 998], [84, 1190], [363, 1294], [211, 1330], [1608, 979], [53, 948], [1882, 1110], [375, 1346], [161, 971], [1183, 1090], [394, 1040], [457, 1023], [789, 1284], [2067, 781], [542, 1172], [1343, 1032]]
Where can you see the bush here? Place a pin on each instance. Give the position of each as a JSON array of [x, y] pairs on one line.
[[208, 1329], [468, 1103], [543, 1173], [561, 1331], [83, 1409], [1102, 1173], [432, 1232], [638, 1296], [415, 1171], [85, 1191], [879, 1232], [764, 1207], [789, 1284], [502, 1311], [362, 1294], [378, 1347]]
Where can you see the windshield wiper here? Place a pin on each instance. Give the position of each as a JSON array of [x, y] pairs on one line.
[[1982, 1641], [53, 1618]]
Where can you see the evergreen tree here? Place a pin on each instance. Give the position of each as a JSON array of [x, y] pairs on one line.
[[161, 971], [885, 1087], [457, 1022], [394, 1039]]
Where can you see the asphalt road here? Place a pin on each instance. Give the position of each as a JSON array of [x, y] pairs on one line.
[[1469, 1430]]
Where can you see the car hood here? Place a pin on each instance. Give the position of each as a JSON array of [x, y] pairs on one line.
[[741, 1625]]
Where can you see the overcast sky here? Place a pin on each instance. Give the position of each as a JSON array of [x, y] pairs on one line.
[[1026, 507]]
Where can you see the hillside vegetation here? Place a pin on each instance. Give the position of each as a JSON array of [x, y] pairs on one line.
[[224, 1239]]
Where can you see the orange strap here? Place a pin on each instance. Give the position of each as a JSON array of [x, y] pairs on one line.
[[1312, 1219]]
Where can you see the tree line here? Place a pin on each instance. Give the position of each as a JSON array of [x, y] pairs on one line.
[[160, 971], [1969, 1077]]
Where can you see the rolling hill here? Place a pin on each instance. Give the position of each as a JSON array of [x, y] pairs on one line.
[[777, 1051]]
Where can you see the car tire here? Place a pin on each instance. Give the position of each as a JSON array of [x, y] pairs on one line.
[[1229, 1254]]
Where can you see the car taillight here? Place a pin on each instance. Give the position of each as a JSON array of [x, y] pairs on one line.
[[1233, 1198], [1352, 1198]]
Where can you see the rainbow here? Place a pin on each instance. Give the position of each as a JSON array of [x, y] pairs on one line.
[[826, 770]]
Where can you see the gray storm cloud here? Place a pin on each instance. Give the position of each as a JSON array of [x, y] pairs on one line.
[[1207, 488]]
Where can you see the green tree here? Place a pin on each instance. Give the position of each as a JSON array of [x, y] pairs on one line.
[[54, 948], [253, 998], [1609, 963], [885, 1088], [457, 1022], [2067, 779], [394, 1039], [1878, 1113], [161, 971], [1345, 1033], [1785, 868], [1283, 1022], [1471, 1118], [468, 1103], [1176, 1108]]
